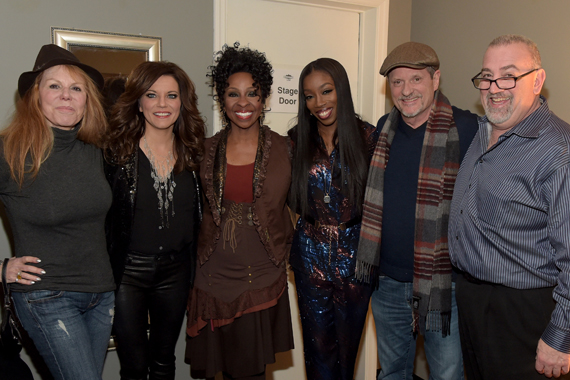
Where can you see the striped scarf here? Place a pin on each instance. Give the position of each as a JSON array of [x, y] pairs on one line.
[[439, 164]]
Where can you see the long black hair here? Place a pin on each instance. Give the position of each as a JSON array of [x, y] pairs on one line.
[[350, 134]]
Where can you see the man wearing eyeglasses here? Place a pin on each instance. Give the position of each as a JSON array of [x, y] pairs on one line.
[[509, 228], [405, 214]]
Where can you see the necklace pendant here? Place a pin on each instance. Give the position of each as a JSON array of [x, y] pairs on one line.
[[327, 199]]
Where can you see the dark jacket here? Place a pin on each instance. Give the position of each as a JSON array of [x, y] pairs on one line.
[[272, 173], [118, 226]]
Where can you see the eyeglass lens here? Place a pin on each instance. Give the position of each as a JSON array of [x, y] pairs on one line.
[[502, 83]]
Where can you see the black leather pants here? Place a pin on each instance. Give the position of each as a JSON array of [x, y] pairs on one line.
[[155, 286]]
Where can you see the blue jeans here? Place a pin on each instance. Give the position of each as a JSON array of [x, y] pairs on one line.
[[70, 330], [391, 306]]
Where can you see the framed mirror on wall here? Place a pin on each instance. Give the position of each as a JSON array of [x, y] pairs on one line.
[[113, 54]]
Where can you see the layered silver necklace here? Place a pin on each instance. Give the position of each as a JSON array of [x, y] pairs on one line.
[[162, 174]]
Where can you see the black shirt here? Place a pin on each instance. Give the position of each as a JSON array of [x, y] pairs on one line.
[[148, 235]]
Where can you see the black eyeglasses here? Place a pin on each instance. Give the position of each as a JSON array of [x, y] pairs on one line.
[[504, 83]]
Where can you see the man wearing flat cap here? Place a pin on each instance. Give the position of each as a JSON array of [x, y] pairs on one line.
[[509, 225], [403, 241]]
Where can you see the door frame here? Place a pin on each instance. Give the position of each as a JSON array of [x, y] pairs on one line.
[[373, 48]]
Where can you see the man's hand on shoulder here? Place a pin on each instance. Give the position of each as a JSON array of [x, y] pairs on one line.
[[551, 362]]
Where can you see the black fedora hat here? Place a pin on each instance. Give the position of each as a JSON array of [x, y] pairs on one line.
[[53, 55]]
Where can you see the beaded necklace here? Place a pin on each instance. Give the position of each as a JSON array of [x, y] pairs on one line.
[[161, 173]]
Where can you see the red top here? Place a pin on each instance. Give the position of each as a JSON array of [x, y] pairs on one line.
[[239, 183]]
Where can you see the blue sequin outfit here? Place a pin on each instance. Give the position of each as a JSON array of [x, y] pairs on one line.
[[328, 253], [332, 304]]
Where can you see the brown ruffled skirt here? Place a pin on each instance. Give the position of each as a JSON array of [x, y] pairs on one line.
[[244, 347], [238, 312]]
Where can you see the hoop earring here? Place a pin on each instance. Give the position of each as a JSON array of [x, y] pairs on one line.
[[262, 118], [225, 120]]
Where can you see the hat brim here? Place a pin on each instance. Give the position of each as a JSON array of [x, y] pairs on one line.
[[385, 71], [27, 79]]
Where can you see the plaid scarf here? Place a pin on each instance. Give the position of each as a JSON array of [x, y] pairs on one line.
[[439, 164]]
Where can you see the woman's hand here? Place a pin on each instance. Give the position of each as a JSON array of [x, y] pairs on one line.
[[17, 270]]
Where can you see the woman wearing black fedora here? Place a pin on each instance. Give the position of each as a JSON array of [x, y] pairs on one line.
[[56, 197]]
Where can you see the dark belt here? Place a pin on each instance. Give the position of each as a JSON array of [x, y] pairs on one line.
[[341, 226], [476, 281], [159, 255]]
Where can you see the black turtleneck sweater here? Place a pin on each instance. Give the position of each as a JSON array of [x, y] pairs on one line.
[[59, 217]]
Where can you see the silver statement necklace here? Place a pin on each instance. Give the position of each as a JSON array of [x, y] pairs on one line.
[[161, 173], [327, 197]]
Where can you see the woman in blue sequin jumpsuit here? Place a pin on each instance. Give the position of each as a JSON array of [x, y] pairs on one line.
[[332, 150]]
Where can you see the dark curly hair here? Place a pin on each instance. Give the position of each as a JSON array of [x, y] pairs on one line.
[[233, 59], [127, 122]]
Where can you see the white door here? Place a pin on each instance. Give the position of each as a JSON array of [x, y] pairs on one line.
[[292, 34]]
